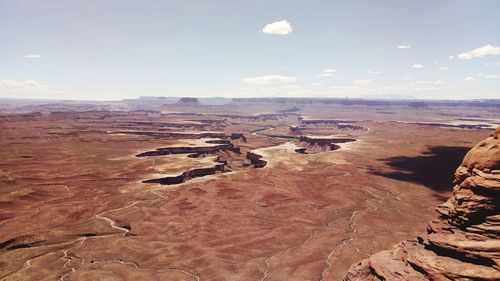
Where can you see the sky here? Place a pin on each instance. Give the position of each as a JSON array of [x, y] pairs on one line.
[[111, 50]]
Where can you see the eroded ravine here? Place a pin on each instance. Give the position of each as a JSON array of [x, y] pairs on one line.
[[68, 258], [224, 156], [256, 160]]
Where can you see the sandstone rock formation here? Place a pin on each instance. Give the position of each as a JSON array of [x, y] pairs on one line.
[[321, 143], [193, 173], [256, 160], [463, 242], [219, 145], [188, 101]]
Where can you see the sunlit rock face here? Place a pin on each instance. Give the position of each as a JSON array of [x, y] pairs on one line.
[[462, 243]]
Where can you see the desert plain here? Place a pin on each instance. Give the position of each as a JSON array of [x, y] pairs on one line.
[[249, 190]]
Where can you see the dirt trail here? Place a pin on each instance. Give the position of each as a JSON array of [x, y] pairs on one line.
[[113, 223]]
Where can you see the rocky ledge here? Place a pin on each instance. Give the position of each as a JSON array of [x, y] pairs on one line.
[[193, 173], [463, 242], [194, 151], [313, 144], [256, 160]]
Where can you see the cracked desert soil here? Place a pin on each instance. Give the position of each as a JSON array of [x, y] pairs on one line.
[[73, 205]]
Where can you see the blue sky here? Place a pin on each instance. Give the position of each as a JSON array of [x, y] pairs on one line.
[[110, 50]]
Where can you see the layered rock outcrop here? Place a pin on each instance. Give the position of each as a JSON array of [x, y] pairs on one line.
[[256, 160], [219, 145], [463, 243], [193, 173], [321, 143], [188, 101]]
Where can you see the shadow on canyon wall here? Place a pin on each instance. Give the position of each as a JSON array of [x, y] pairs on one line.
[[434, 169]]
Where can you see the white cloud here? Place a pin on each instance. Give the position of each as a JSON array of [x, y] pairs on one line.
[[403, 46], [451, 57], [317, 83], [373, 72], [278, 28], [407, 78], [438, 82], [492, 76], [487, 50], [470, 79], [269, 79], [417, 66], [361, 82], [33, 56], [20, 85], [29, 89], [443, 68], [327, 73]]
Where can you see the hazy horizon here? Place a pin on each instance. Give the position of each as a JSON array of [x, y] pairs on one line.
[[113, 50]]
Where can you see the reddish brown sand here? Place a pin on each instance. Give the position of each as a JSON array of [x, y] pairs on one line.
[[73, 205]]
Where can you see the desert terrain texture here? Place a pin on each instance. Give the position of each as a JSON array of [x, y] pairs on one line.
[[248, 190]]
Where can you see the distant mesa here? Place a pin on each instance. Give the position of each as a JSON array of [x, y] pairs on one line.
[[188, 101], [372, 101]]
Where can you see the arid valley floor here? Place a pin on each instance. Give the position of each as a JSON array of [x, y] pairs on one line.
[[245, 191]]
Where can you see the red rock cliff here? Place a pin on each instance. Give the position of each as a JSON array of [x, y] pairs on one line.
[[463, 242]]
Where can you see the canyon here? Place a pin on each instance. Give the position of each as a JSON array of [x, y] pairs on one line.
[[251, 190]]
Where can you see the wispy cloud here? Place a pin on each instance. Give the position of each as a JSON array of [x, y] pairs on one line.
[[487, 50], [278, 28], [327, 73], [270, 79], [33, 56], [361, 82], [416, 66], [443, 68], [470, 79], [14, 84], [403, 46], [373, 72], [491, 76], [29, 89]]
